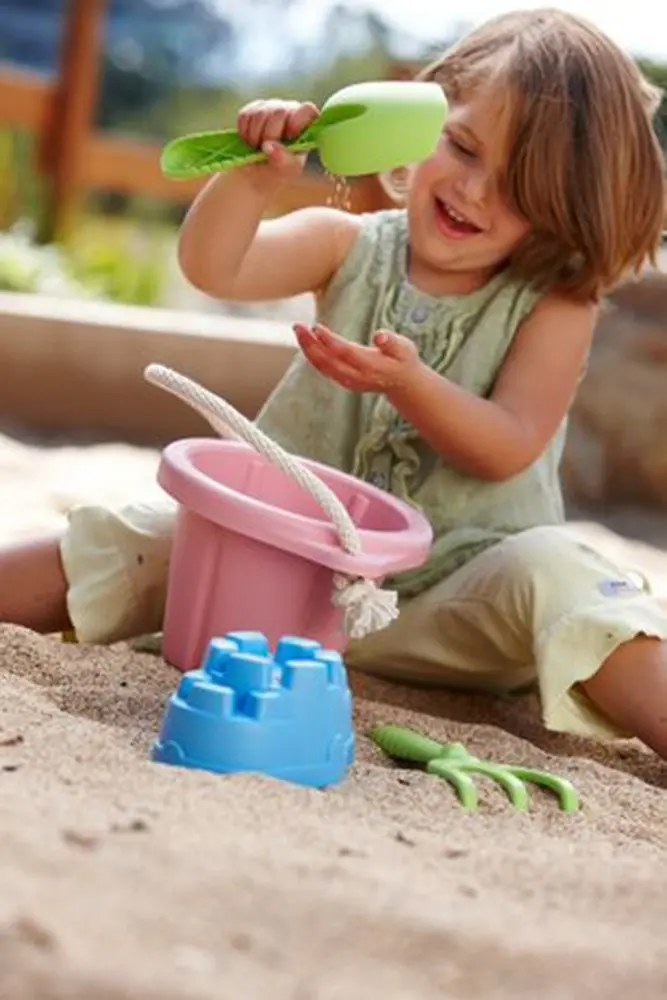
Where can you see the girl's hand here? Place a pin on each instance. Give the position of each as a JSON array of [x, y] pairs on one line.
[[264, 124], [388, 365]]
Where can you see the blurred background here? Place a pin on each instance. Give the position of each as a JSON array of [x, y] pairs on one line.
[[89, 287], [130, 74]]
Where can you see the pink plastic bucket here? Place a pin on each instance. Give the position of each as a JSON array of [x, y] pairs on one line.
[[254, 551]]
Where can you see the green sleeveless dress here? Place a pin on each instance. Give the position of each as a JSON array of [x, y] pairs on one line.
[[463, 337]]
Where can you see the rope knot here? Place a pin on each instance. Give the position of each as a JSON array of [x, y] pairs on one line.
[[366, 607]]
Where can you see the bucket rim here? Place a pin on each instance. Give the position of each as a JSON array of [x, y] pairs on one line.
[[315, 538]]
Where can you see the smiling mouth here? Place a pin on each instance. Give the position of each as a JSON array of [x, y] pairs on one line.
[[453, 222]]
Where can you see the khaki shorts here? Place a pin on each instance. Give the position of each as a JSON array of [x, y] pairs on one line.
[[539, 606]]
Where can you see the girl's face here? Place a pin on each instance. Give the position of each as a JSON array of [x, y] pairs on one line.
[[461, 229]]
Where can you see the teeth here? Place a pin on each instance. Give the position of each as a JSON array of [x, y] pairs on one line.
[[455, 215]]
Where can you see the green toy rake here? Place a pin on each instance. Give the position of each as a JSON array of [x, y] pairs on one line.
[[455, 764]]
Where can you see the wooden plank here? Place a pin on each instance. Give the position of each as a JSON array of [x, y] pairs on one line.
[[403, 70], [84, 362], [26, 99], [130, 166], [75, 97], [133, 168]]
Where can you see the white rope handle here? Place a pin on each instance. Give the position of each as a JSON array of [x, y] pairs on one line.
[[229, 423], [365, 607]]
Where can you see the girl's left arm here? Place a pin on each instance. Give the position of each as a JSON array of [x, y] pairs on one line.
[[498, 437]]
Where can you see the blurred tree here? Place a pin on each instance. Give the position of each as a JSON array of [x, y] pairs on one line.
[[154, 47], [29, 32], [151, 46], [657, 73]]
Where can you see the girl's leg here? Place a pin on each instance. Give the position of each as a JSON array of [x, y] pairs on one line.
[[116, 564], [33, 589], [631, 688], [538, 606], [107, 575]]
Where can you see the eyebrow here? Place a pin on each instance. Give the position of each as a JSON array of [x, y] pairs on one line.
[[469, 132]]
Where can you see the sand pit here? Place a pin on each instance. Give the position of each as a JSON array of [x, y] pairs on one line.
[[126, 879]]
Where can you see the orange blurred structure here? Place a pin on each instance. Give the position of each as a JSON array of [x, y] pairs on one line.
[[74, 158]]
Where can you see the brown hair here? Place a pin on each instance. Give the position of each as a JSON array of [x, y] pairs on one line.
[[581, 161]]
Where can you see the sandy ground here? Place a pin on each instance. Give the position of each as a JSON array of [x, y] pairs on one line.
[[120, 878]]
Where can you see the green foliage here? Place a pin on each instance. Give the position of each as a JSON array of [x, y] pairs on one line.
[[121, 259], [108, 260], [657, 74], [27, 267]]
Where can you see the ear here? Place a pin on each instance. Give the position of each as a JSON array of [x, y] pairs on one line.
[[396, 184]]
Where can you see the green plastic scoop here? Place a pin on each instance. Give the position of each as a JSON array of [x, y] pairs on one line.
[[366, 128]]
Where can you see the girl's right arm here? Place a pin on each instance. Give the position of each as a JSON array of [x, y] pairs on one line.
[[229, 251]]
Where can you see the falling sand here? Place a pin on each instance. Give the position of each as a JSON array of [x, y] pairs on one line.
[[341, 195], [127, 879]]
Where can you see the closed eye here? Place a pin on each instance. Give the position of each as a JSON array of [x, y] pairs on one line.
[[459, 147]]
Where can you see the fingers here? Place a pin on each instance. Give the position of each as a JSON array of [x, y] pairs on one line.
[[300, 118], [393, 345], [326, 362], [353, 366], [272, 121], [248, 123], [339, 348], [335, 350], [391, 360], [280, 158]]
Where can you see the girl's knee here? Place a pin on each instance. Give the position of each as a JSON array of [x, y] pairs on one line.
[[630, 688], [552, 553], [545, 542], [546, 574], [116, 565]]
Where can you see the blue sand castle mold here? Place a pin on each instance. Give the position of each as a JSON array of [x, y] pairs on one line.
[[287, 715]]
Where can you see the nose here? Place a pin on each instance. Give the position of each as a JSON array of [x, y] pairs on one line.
[[475, 185]]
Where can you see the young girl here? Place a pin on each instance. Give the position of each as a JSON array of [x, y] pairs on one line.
[[451, 336]]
